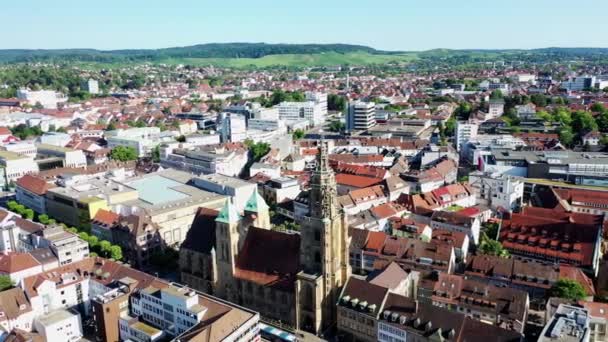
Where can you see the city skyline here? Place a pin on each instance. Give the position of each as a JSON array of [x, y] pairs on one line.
[[414, 26]]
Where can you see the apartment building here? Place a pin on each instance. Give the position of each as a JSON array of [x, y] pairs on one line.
[[60, 325], [312, 112], [464, 133], [569, 323], [369, 312], [67, 247], [455, 222]]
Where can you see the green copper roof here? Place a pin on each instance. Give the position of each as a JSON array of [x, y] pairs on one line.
[[256, 203], [228, 214]]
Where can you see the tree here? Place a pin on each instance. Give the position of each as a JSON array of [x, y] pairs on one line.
[[546, 117], [116, 252], [111, 127], [44, 219], [180, 138], [568, 289], [450, 127], [602, 121], [598, 107], [539, 100], [336, 102], [123, 153], [463, 111], [28, 214], [257, 150], [336, 126], [93, 241], [492, 247], [496, 94], [104, 247], [156, 154], [298, 134], [583, 122], [5, 283], [566, 137]]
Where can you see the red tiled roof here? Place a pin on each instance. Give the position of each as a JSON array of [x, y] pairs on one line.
[[356, 181], [269, 258], [34, 184], [15, 262], [106, 217]]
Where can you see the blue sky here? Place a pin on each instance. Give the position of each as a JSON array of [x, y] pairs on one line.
[[383, 24]]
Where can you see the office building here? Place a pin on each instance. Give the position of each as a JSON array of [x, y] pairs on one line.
[[360, 116]]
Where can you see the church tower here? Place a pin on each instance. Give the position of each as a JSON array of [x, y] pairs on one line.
[[228, 222], [257, 210], [323, 251]]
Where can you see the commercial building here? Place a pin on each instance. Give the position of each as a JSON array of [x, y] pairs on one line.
[[233, 127], [71, 157], [239, 190], [142, 139], [313, 110], [360, 116], [31, 192], [220, 160], [15, 166]]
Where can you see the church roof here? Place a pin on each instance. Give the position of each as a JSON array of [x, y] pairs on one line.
[[201, 236], [269, 258], [255, 202], [229, 213]]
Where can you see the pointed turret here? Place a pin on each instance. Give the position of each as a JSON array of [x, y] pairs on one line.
[[229, 214], [258, 210]]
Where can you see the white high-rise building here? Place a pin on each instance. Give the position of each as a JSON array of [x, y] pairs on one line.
[[361, 116], [464, 132], [233, 127], [91, 86]]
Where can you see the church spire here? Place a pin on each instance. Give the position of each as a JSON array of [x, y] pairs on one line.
[[323, 196], [229, 214]]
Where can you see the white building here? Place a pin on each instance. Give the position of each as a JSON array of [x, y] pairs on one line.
[[360, 116], [46, 98], [59, 325], [24, 148], [222, 161], [174, 309], [55, 138], [527, 111], [66, 246], [496, 108], [238, 189], [464, 133], [71, 157], [267, 125], [91, 86], [497, 190], [314, 110], [143, 139], [15, 166], [233, 127]]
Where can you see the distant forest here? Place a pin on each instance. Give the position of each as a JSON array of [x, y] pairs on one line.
[[258, 50]]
